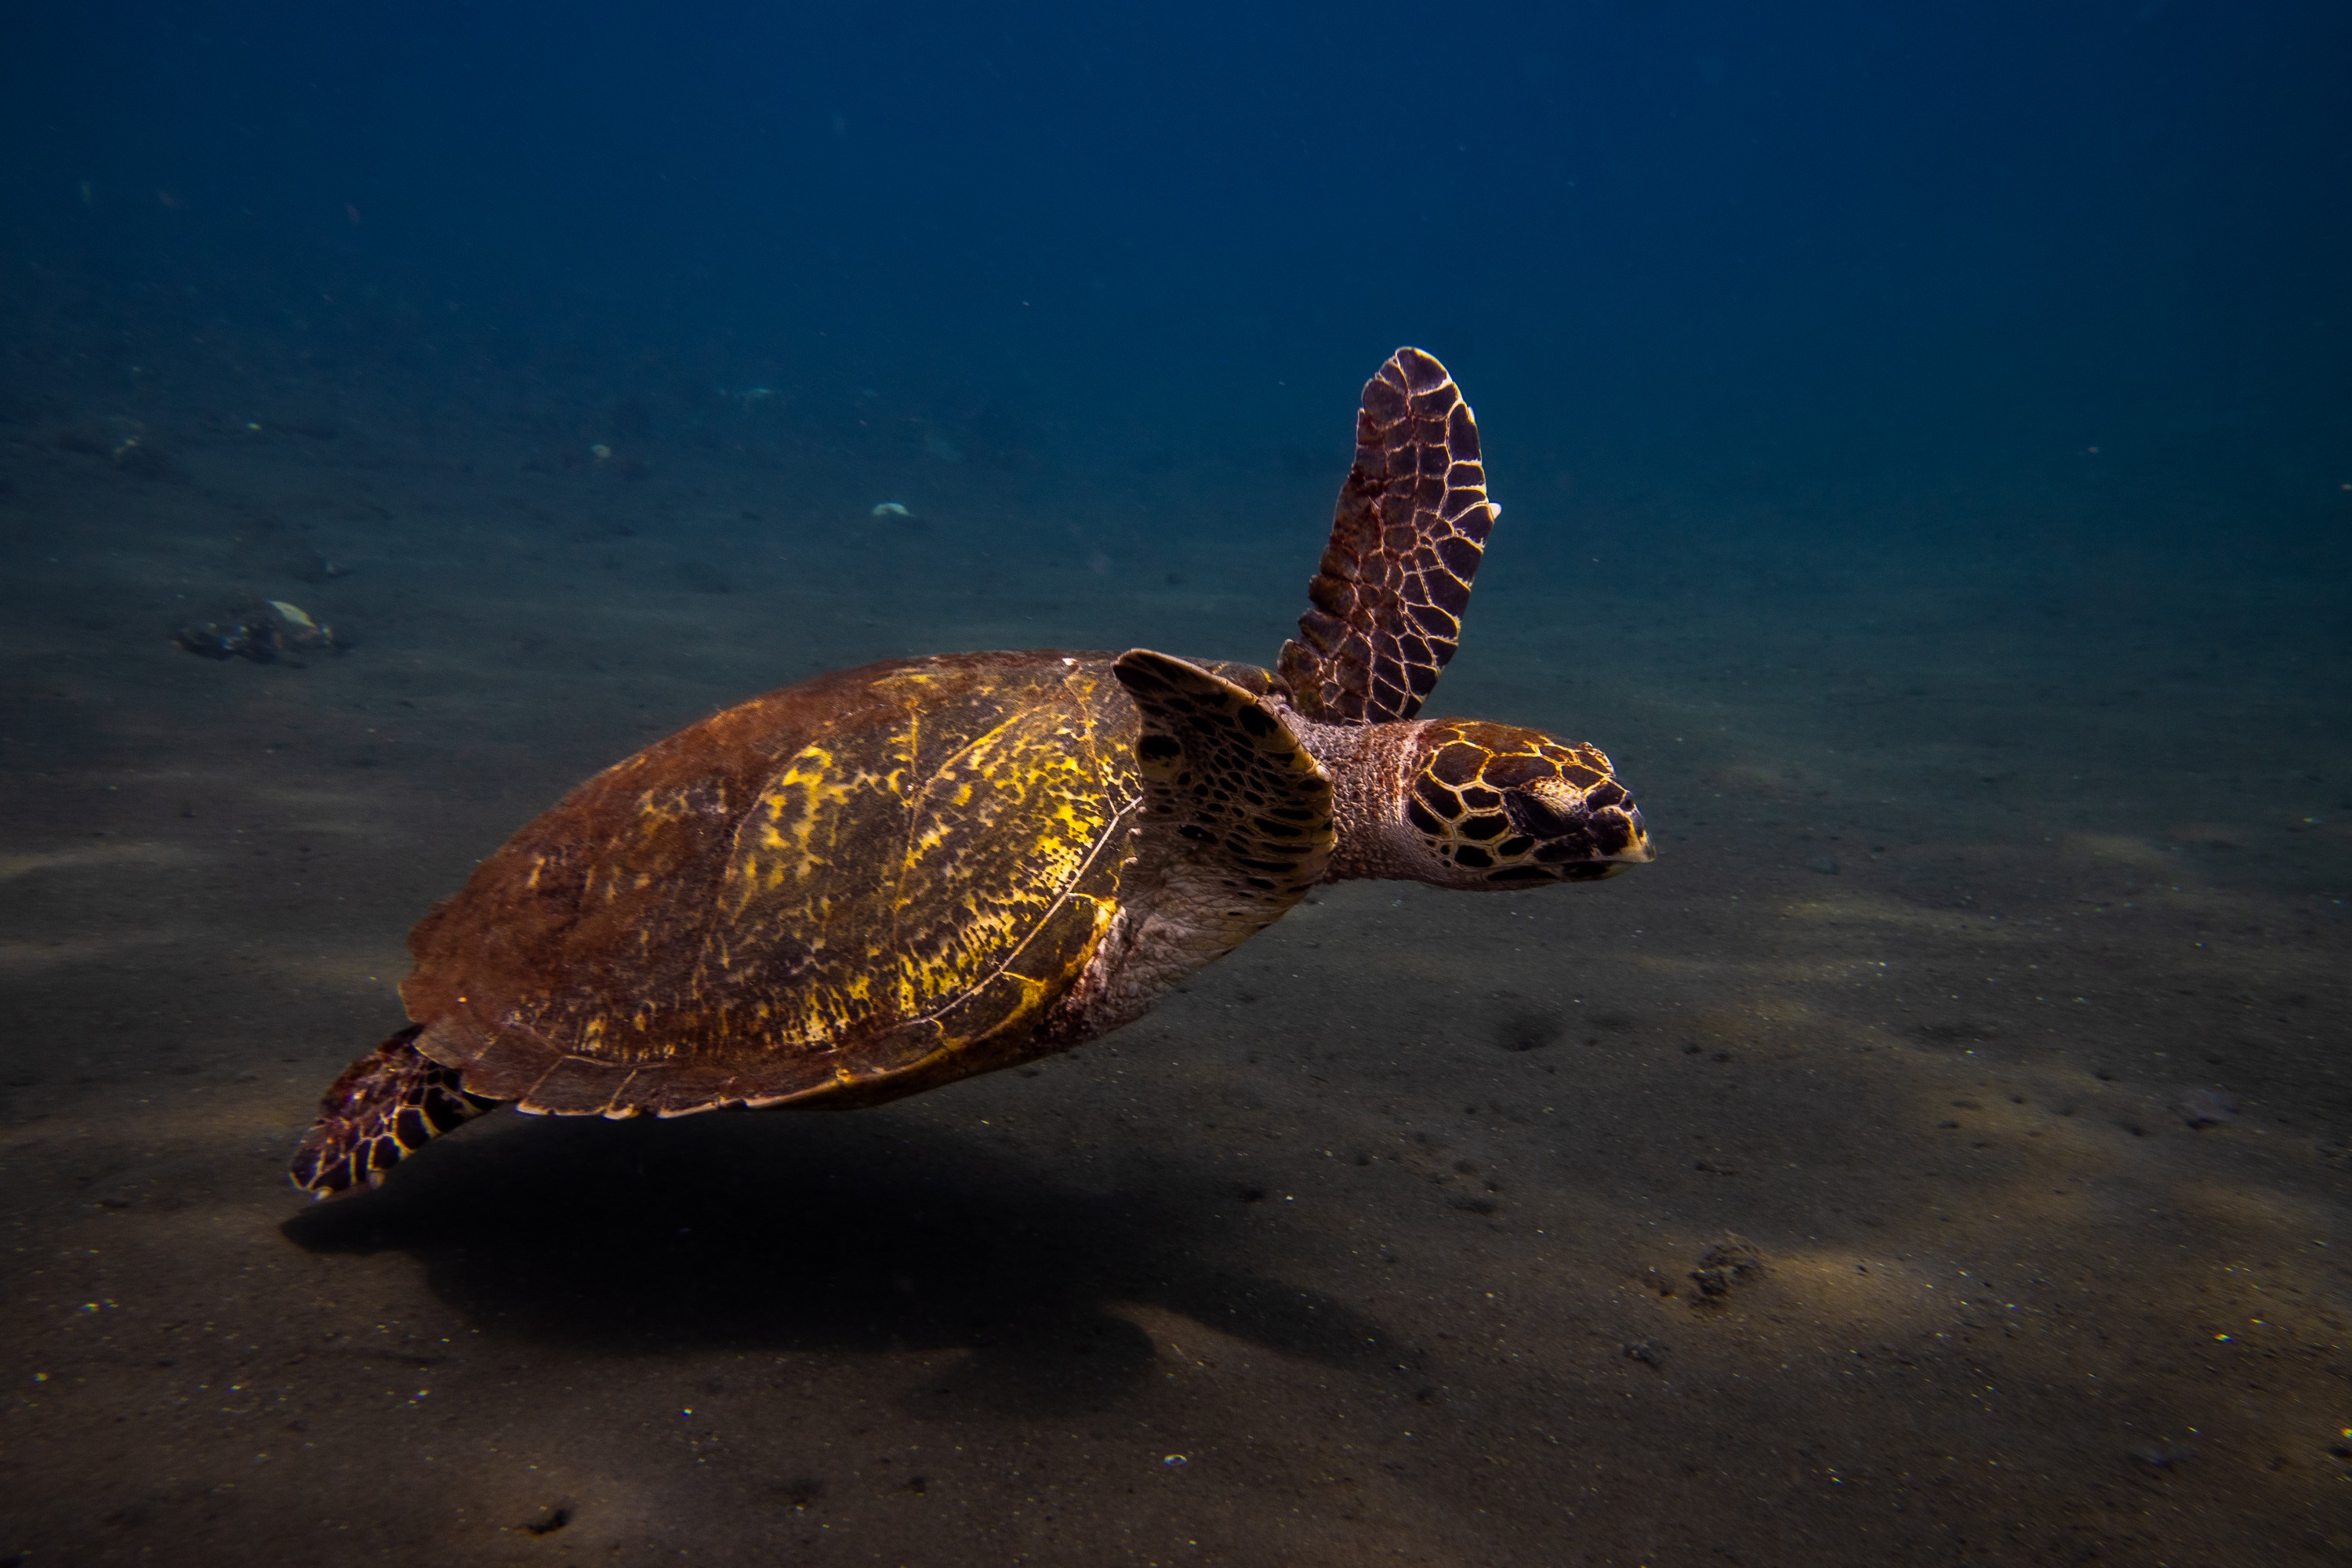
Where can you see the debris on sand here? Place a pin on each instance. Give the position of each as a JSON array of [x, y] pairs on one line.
[[2203, 1108], [274, 631], [1723, 1265]]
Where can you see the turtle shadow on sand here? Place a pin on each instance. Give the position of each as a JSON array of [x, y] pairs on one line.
[[865, 1233]]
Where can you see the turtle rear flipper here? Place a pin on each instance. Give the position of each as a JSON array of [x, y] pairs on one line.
[[1237, 823], [389, 1103], [1385, 610]]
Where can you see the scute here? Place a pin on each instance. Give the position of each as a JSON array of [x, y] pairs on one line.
[[704, 923], [980, 813]]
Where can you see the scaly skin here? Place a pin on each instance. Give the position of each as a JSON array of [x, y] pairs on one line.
[[1454, 803], [1463, 804]]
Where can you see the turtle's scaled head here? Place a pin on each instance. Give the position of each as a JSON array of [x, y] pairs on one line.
[[1496, 806]]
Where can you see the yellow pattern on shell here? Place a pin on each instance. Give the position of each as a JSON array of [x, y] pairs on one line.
[[928, 851], [871, 884]]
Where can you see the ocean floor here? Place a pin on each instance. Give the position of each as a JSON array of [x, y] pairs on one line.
[[1942, 1151]]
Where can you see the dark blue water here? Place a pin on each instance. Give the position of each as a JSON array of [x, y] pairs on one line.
[[1925, 443], [1674, 242]]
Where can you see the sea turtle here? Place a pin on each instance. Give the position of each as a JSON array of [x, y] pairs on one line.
[[884, 879]]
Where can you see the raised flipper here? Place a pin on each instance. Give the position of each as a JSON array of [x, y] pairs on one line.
[[389, 1103], [1385, 606], [1236, 821]]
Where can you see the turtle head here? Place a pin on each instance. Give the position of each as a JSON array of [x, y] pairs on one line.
[[1496, 806]]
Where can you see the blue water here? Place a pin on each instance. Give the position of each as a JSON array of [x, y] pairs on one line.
[[1676, 243], [1925, 435]]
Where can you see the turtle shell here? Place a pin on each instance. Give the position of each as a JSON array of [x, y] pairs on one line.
[[852, 889]]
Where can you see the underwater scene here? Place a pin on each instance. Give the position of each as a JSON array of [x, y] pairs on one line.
[[578, 581]]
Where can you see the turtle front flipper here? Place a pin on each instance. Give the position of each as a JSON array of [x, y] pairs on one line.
[[1385, 610], [389, 1103], [1235, 827]]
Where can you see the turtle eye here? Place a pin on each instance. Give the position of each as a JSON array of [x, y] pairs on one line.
[[1532, 815]]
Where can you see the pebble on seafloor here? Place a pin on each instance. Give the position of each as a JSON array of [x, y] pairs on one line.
[[274, 630], [1724, 1264], [2203, 1108]]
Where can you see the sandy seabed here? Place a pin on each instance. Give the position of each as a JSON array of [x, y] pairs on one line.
[[1940, 1153]]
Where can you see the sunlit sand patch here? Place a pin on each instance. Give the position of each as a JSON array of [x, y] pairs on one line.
[[282, 793], [93, 857], [568, 1490], [2117, 850], [19, 959], [1766, 1018], [1861, 907], [190, 1113], [1890, 913], [1769, 779], [2049, 1143], [1834, 970], [2269, 1221], [2230, 836], [1872, 1293], [375, 970], [1783, 1013], [2168, 1230], [307, 809], [1841, 966], [1180, 1339]]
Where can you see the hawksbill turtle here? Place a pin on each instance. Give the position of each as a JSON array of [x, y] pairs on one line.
[[884, 879]]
